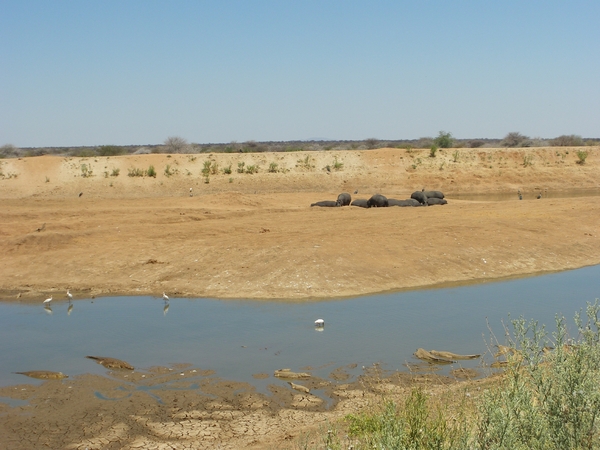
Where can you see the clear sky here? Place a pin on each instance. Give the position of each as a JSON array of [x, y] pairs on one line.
[[135, 72]]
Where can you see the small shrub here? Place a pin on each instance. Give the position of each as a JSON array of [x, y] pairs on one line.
[[252, 169], [581, 155], [135, 172], [306, 163], [432, 151], [477, 143], [168, 171], [527, 160], [230, 180], [337, 165], [206, 168], [227, 170], [455, 156], [115, 172], [214, 168], [240, 168], [86, 170], [151, 172], [272, 167]]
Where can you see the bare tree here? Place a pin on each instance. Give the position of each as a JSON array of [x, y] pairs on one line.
[[371, 143], [515, 139], [175, 144]]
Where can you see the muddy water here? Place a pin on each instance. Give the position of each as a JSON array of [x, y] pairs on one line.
[[239, 339], [526, 195]]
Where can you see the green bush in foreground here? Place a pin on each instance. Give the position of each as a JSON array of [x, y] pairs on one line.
[[548, 398]]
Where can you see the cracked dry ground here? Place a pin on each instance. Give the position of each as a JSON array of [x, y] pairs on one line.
[[196, 411]]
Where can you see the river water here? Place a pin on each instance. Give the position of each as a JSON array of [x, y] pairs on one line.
[[240, 338]]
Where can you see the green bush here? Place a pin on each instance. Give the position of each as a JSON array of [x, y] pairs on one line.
[[432, 151], [444, 140], [571, 140], [337, 165], [86, 170], [151, 172], [273, 167], [252, 169], [240, 168], [115, 172], [206, 168], [581, 155], [227, 170]]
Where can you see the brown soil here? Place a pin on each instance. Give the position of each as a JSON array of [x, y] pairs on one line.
[[256, 236]]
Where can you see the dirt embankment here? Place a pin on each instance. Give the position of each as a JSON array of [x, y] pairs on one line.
[[244, 235]]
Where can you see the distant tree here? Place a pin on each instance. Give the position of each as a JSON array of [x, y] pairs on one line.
[[110, 150], [8, 150], [515, 139], [477, 143], [371, 143], [444, 140], [175, 144], [571, 140]]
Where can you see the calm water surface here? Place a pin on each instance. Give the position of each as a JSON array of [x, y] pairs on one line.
[[237, 339]]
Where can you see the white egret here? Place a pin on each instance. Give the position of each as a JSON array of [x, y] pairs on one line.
[[319, 323], [48, 300], [165, 297], [69, 295]]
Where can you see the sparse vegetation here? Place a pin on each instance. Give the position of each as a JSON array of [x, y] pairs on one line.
[[252, 169], [227, 170], [169, 171], [455, 155], [115, 172], [240, 168], [306, 163], [548, 398], [432, 151], [476, 143], [206, 168], [272, 167], [527, 160], [135, 172], [214, 168], [86, 170], [337, 165], [151, 172]]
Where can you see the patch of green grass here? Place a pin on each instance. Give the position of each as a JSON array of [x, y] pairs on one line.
[[151, 172], [337, 165], [272, 167], [227, 170], [252, 169], [136, 172], [240, 168], [115, 172], [432, 151], [206, 168]]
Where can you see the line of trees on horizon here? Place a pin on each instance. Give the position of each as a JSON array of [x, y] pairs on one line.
[[177, 144]]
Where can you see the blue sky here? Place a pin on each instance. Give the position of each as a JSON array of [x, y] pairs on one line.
[[135, 72]]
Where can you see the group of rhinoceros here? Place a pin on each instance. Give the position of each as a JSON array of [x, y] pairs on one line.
[[418, 198]]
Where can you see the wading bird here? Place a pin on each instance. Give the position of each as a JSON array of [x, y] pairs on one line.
[[165, 297], [48, 300], [319, 323], [69, 295]]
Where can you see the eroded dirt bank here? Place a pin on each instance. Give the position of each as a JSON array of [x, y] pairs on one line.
[[257, 237]]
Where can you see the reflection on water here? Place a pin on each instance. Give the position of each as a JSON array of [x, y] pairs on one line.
[[239, 339], [526, 195]]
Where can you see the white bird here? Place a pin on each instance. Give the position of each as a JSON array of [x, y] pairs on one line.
[[48, 300], [319, 323], [165, 297], [69, 295]]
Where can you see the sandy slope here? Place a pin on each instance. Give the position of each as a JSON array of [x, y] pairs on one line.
[[257, 237]]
